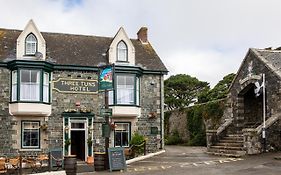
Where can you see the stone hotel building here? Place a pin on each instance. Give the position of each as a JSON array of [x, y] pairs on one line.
[[49, 91]]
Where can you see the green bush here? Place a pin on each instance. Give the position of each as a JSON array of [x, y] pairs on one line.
[[138, 142], [173, 139]]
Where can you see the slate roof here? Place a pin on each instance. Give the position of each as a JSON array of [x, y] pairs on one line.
[[82, 50], [271, 58]]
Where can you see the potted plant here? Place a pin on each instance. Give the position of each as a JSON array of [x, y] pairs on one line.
[[44, 127], [90, 158], [67, 142], [137, 144], [113, 126]]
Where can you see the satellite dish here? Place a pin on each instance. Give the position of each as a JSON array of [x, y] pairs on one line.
[[38, 55]]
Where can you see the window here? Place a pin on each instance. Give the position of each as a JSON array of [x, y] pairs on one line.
[[122, 134], [122, 51], [30, 85], [46, 87], [126, 90], [14, 85], [30, 134], [30, 44]]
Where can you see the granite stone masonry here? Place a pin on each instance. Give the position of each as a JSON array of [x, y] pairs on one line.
[[50, 100], [246, 106]]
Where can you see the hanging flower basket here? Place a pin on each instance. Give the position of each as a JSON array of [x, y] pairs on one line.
[[152, 115], [113, 126], [44, 127]]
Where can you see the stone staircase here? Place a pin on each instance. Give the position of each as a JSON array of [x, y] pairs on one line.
[[230, 145]]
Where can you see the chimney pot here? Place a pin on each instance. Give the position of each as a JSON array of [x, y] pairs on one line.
[[142, 35]]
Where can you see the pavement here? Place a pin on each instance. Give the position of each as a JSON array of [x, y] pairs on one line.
[[181, 160]]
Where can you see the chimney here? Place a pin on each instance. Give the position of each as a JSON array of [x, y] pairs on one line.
[[142, 35]]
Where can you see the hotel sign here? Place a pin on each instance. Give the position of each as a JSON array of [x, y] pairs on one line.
[[82, 86]]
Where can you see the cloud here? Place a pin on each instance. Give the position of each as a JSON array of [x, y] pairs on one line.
[[208, 39], [203, 64]]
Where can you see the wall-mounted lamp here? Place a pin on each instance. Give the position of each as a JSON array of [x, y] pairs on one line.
[[66, 128]]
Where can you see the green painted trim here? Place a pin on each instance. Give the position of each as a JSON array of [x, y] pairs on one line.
[[78, 114], [39, 102], [2, 64], [16, 64], [42, 71], [51, 67], [115, 89]]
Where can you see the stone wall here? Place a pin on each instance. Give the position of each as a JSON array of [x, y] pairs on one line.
[[178, 122], [273, 97], [151, 112], [6, 121], [151, 101]]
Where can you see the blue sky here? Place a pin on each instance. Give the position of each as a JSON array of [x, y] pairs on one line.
[[202, 38]]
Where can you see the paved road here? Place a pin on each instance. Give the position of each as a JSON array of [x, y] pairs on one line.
[[179, 160]]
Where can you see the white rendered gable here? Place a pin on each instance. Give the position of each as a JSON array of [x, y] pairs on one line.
[[41, 44], [112, 52]]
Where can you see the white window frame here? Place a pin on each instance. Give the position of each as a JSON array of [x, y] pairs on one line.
[[30, 44], [35, 129], [125, 89], [30, 90], [122, 51], [127, 131], [46, 87], [131, 98], [14, 85]]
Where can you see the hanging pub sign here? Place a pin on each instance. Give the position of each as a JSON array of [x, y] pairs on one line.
[[67, 85], [106, 78]]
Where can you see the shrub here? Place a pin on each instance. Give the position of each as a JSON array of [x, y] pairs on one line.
[[138, 141], [173, 139]]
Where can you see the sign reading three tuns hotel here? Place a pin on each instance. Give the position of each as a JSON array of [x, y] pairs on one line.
[[65, 85]]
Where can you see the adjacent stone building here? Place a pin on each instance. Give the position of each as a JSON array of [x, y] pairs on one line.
[[241, 131], [49, 96]]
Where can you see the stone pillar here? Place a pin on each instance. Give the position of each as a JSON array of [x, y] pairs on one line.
[[252, 144], [211, 136]]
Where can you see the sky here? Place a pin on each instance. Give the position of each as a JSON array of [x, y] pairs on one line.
[[207, 39]]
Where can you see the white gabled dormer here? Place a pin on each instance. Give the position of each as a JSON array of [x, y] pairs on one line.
[[121, 50], [31, 44]]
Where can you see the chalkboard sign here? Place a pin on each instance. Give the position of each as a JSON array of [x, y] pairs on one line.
[[116, 159]]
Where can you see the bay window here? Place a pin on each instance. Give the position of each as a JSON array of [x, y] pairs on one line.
[[30, 85], [126, 91]]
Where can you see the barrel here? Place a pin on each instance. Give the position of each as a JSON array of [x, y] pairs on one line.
[[70, 164], [99, 161]]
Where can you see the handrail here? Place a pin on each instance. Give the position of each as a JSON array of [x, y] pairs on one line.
[[224, 126], [271, 120]]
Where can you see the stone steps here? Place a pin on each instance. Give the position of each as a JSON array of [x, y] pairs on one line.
[[230, 145]]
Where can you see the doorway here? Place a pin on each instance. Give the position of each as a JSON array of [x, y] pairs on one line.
[[78, 144], [78, 131]]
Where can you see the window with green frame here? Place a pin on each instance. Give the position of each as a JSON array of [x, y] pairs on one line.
[[30, 85], [126, 90], [30, 134]]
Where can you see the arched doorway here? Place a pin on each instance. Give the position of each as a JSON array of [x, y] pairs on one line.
[[250, 107]]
